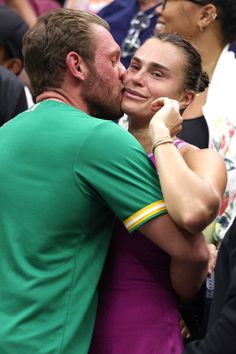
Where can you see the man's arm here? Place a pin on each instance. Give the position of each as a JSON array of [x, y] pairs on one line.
[[189, 254], [123, 175]]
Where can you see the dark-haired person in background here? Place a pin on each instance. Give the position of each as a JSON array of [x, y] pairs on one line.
[[12, 96], [12, 30]]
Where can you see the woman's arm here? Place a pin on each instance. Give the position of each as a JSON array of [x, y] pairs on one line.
[[189, 254], [193, 182]]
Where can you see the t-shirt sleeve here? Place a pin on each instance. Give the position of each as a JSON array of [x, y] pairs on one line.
[[115, 168]]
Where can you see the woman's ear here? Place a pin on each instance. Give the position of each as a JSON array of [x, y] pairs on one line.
[[208, 16], [186, 99]]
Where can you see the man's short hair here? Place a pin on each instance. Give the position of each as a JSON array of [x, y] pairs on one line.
[[12, 30], [47, 43]]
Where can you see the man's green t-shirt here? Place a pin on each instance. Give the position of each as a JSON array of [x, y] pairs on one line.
[[64, 176]]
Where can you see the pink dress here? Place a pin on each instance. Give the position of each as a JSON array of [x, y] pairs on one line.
[[137, 307]]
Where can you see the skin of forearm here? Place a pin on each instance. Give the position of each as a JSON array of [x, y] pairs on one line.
[[182, 189], [188, 276], [189, 254], [192, 187]]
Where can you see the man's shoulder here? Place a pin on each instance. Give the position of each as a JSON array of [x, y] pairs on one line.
[[113, 135]]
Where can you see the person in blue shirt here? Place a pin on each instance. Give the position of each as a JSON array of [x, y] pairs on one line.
[[131, 23]]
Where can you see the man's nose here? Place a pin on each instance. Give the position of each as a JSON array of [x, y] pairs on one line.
[[122, 71]]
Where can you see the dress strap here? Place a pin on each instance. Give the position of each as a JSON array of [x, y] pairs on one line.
[[180, 143]]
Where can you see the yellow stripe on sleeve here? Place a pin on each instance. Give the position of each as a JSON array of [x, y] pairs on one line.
[[144, 214]]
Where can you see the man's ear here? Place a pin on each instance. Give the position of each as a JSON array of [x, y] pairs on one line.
[[186, 99], [208, 16], [14, 65], [76, 65]]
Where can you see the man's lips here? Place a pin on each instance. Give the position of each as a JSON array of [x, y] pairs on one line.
[[133, 94]]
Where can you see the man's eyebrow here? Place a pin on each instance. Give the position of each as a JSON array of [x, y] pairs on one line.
[[114, 52], [153, 65]]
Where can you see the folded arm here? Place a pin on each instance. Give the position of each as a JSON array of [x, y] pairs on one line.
[[193, 181], [189, 254]]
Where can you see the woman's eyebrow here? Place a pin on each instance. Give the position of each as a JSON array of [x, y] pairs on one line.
[[152, 65]]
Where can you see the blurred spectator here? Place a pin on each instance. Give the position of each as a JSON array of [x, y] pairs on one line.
[[131, 23], [221, 332], [12, 96], [12, 30], [29, 10], [42, 6], [88, 5]]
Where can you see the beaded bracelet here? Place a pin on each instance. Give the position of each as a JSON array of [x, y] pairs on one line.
[[164, 140]]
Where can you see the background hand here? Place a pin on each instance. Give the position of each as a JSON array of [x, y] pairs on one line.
[[212, 257]]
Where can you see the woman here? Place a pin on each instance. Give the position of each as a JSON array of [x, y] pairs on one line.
[[137, 310], [210, 119]]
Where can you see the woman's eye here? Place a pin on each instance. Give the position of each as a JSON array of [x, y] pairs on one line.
[[156, 74], [134, 67]]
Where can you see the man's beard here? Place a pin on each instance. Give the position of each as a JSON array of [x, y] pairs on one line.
[[97, 94]]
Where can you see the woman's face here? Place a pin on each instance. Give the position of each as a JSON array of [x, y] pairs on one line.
[[156, 70], [181, 16]]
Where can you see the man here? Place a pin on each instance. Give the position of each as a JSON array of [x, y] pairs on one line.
[[64, 175]]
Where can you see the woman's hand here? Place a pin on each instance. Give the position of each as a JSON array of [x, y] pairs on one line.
[[167, 120]]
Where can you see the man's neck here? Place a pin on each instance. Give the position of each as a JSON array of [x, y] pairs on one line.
[[60, 95], [142, 135]]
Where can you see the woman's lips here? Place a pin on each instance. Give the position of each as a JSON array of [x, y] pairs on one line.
[[134, 94]]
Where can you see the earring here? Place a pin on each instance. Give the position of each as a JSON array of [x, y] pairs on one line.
[[201, 29], [214, 16]]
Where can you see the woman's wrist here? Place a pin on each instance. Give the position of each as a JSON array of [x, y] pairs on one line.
[[160, 141], [158, 131]]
